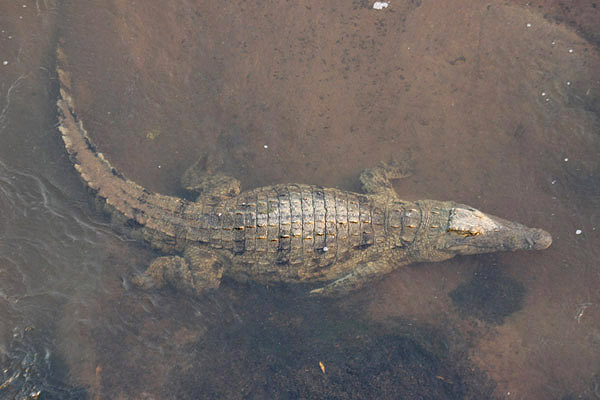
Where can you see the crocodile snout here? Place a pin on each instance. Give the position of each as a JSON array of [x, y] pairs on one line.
[[540, 239], [472, 232]]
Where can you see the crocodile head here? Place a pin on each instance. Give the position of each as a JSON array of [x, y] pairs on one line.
[[470, 231]]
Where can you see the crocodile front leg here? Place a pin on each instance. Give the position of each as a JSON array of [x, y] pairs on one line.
[[362, 273], [377, 180], [210, 185], [197, 271]]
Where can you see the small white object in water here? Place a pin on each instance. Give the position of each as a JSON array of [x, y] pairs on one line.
[[570, 50], [325, 248], [159, 166], [265, 146], [553, 43], [566, 159], [529, 25], [568, 83], [543, 93], [578, 232], [380, 5], [5, 62]]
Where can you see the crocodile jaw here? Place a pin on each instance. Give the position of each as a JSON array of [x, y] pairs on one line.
[[472, 232]]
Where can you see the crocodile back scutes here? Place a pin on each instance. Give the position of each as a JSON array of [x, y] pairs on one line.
[[305, 227]]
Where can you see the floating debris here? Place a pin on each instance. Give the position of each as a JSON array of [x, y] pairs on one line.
[[380, 5], [581, 310], [578, 232], [153, 134]]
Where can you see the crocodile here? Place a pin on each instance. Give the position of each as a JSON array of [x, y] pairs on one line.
[[332, 239]]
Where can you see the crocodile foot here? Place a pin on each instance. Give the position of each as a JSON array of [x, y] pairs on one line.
[[361, 274], [197, 271], [211, 186], [377, 180]]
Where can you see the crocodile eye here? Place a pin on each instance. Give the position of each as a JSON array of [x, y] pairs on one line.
[[463, 232]]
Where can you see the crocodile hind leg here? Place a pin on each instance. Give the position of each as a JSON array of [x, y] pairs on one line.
[[210, 185], [361, 274], [377, 180], [197, 271]]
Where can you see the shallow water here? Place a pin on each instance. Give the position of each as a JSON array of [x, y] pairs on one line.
[[497, 103]]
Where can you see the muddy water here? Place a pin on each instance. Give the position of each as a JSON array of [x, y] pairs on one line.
[[497, 103]]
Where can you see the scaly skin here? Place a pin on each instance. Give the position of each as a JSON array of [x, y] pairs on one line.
[[285, 233]]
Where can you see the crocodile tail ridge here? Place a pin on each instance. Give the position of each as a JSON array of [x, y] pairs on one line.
[[164, 214]]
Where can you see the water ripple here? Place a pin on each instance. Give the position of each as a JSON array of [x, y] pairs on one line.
[[46, 239], [50, 252]]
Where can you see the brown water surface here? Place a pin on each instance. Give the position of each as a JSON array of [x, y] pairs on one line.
[[498, 103]]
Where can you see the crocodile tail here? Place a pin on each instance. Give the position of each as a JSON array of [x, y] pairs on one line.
[[159, 213]]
